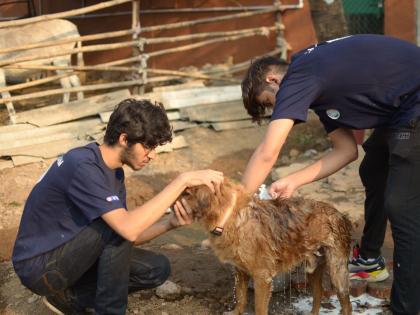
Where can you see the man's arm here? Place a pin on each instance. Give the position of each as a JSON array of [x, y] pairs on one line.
[[181, 215], [131, 224], [344, 151], [266, 154]]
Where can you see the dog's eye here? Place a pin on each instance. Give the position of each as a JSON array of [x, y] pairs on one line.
[[186, 193]]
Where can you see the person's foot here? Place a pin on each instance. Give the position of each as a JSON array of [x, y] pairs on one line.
[[61, 304], [371, 270]]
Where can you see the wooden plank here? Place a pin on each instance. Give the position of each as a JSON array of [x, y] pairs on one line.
[[16, 127], [78, 128], [22, 160], [5, 164], [182, 125], [178, 142], [228, 111], [176, 87], [56, 114], [172, 115], [36, 140], [198, 96], [228, 125], [45, 150]]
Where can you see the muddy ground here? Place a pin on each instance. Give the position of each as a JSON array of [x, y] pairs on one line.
[[206, 284]]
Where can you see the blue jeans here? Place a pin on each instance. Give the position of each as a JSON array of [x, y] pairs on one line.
[[97, 268]]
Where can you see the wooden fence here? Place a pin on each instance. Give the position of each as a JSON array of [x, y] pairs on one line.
[[137, 64]]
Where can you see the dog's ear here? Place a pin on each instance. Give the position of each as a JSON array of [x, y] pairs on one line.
[[204, 197]]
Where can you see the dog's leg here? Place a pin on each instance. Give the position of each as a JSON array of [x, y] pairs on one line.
[[263, 285], [337, 263], [315, 281], [241, 290]]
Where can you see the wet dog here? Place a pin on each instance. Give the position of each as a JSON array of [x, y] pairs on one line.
[[262, 238]]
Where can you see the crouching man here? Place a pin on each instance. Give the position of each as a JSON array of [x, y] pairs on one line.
[[75, 240]]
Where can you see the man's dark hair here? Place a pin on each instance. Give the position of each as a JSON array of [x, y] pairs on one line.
[[142, 121], [254, 83]]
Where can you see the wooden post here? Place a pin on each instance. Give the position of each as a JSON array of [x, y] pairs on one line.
[[279, 30], [135, 26]]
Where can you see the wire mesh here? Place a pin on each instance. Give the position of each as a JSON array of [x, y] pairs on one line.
[[364, 16]]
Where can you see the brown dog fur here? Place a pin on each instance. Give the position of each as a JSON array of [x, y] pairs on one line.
[[262, 238]]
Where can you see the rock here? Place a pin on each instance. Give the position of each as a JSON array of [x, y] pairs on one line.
[[310, 153], [171, 246], [380, 290], [33, 298], [294, 153], [186, 290], [284, 160], [168, 290], [164, 313], [357, 287], [205, 244]]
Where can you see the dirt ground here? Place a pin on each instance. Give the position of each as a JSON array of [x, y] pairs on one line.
[[207, 285]]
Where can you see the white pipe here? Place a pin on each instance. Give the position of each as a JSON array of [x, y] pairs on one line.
[[293, 6]]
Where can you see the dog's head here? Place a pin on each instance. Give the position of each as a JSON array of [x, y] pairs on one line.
[[206, 204]]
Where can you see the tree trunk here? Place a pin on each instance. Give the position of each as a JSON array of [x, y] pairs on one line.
[[328, 18]]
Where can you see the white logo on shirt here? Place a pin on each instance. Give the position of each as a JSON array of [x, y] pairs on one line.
[[60, 161], [311, 49], [112, 198], [333, 114]]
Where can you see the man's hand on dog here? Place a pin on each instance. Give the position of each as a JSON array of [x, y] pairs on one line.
[[282, 188], [181, 214], [213, 179]]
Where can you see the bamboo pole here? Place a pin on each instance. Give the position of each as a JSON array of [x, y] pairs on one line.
[[179, 49], [246, 32], [207, 20], [67, 52], [280, 33], [74, 68], [34, 83], [64, 14], [136, 50], [122, 69], [200, 44], [207, 35], [191, 75], [92, 87], [68, 40]]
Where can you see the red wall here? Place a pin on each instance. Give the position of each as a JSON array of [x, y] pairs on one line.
[[400, 19]]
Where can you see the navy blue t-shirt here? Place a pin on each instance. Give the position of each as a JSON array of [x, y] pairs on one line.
[[358, 82], [77, 189]]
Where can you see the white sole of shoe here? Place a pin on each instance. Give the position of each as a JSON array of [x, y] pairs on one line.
[[51, 307], [381, 277]]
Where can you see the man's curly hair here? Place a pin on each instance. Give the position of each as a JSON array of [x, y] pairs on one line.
[[142, 121], [254, 83]]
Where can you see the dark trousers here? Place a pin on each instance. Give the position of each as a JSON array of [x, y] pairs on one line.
[[390, 173], [97, 269]]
